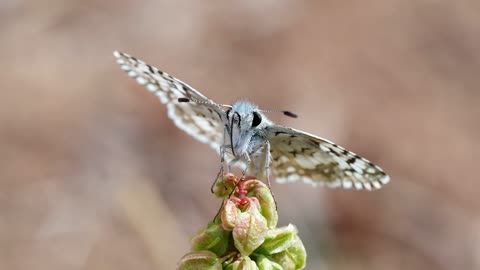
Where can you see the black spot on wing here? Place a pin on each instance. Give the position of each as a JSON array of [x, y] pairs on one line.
[[313, 142], [150, 68], [351, 160]]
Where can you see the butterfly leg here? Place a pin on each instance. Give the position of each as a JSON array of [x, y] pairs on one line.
[[264, 168], [267, 165], [248, 161], [247, 166], [221, 174], [222, 166]]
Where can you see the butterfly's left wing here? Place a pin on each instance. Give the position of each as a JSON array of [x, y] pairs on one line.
[[202, 118], [297, 155]]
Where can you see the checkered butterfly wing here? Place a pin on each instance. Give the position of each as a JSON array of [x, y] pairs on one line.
[[203, 119], [297, 155]]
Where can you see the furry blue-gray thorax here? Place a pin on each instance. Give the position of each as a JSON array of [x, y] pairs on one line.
[[245, 123]]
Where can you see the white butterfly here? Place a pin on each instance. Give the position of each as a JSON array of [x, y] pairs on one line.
[[243, 133]]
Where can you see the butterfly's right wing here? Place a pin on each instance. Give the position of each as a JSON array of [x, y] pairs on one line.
[[201, 118], [297, 155]]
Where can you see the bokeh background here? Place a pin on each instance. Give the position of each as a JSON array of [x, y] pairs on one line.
[[93, 175]]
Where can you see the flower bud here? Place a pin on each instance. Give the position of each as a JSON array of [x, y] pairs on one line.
[[224, 185], [214, 238], [264, 263], [264, 195], [244, 264], [229, 215], [201, 260], [279, 239], [250, 229], [292, 258]]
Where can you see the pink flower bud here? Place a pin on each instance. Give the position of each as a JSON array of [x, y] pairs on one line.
[[250, 229]]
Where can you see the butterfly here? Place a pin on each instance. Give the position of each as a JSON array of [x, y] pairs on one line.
[[241, 133]]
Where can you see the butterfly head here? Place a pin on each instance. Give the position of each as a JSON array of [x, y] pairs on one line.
[[244, 120]]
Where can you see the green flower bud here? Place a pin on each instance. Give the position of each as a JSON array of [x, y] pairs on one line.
[[244, 264], [232, 266], [247, 264], [224, 185], [294, 257], [250, 229], [268, 208], [264, 263], [214, 238], [279, 239], [200, 260]]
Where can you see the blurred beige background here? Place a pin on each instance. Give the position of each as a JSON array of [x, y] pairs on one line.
[[93, 175]]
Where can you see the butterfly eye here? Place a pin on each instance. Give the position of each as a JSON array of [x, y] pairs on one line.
[[257, 119]]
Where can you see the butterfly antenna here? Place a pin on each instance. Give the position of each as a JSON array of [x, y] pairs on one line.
[[186, 100], [287, 113], [290, 114]]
